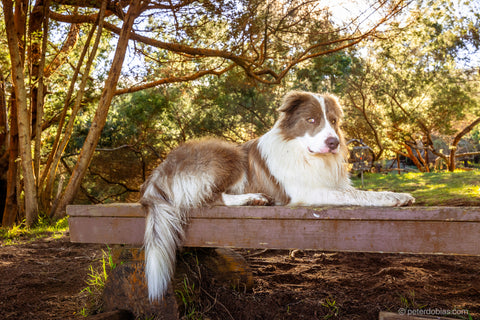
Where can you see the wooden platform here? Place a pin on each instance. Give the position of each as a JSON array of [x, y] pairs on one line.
[[428, 230]]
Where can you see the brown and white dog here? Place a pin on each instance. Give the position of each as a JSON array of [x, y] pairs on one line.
[[300, 161]]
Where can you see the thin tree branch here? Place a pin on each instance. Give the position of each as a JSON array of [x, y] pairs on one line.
[[173, 80], [123, 185]]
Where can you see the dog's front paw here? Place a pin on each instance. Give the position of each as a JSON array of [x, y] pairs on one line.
[[399, 199], [260, 199], [248, 199]]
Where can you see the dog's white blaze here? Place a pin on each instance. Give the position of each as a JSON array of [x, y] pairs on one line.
[[329, 131], [317, 143]]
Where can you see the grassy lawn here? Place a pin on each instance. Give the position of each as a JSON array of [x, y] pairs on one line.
[[460, 188], [44, 228]]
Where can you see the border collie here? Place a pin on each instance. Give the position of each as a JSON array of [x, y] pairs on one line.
[[300, 161]]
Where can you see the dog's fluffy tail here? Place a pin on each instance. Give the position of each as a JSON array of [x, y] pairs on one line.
[[166, 202], [163, 234]]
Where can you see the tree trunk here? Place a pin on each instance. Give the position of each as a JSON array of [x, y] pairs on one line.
[[3, 145], [23, 116], [456, 140], [3, 117], [422, 160], [101, 114], [451, 158], [38, 47], [59, 146], [51, 165], [373, 128], [412, 157], [11, 205]]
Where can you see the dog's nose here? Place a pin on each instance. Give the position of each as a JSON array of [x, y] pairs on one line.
[[332, 143]]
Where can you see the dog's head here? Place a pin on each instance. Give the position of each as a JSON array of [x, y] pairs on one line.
[[314, 120]]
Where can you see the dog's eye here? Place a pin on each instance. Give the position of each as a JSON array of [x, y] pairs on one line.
[[333, 121], [311, 120]]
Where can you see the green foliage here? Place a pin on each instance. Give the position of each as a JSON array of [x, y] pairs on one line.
[[138, 116], [415, 83], [96, 280], [326, 73], [409, 302], [233, 107], [331, 307], [44, 228], [188, 296]]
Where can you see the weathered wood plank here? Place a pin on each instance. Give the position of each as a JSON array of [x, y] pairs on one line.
[[106, 210], [110, 230], [435, 230], [281, 212]]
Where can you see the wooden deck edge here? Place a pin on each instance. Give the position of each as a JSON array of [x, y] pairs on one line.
[[439, 230], [285, 212]]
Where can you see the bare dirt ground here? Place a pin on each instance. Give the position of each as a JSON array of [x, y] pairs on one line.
[[43, 279]]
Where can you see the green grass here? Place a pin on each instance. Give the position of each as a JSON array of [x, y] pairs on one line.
[[188, 295], [429, 189], [44, 228], [96, 280], [409, 301], [331, 307]]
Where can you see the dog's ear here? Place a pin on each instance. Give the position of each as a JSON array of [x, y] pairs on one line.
[[292, 100]]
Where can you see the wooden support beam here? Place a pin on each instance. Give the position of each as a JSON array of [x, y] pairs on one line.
[[427, 230]]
